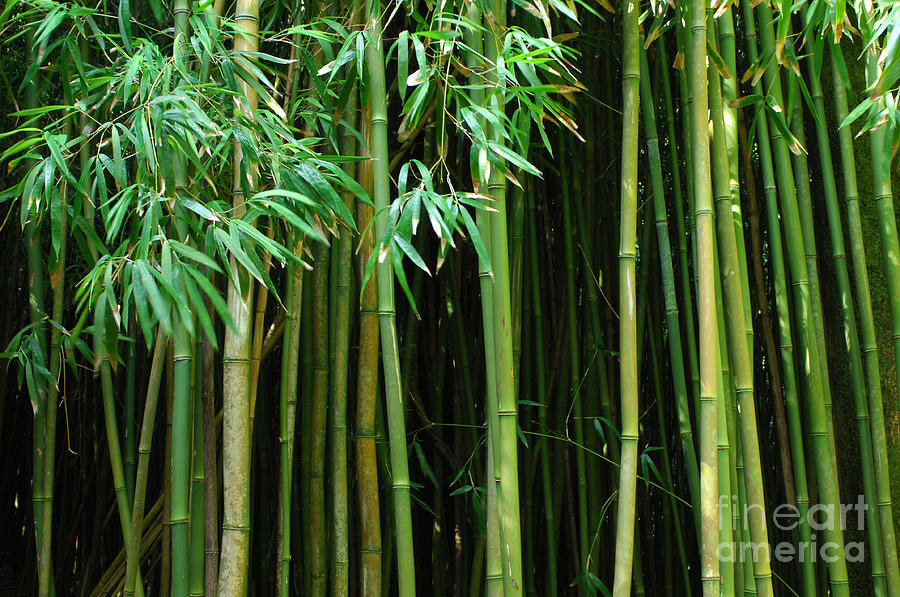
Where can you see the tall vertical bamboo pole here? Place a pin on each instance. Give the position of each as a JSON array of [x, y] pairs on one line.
[[318, 422], [234, 563], [386, 312], [738, 346], [706, 302], [507, 407], [133, 546], [38, 396], [367, 396], [287, 416], [57, 286], [340, 388], [628, 340]]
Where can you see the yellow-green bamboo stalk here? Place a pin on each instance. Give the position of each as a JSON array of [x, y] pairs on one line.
[[628, 341], [234, 563], [386, 312], [738, 345], [706, 301]]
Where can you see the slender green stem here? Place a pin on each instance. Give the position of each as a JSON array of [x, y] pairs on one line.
[[386, 312], [628, 340], [706, 300]]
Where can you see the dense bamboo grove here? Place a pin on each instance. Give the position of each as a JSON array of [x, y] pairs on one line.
[[529, 297]]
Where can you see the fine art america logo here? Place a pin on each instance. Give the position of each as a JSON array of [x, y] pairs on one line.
[[820, 518]]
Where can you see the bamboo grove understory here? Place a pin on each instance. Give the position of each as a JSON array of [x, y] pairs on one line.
[[449, 297]]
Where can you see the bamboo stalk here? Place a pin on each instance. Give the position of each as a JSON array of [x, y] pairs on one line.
[[288, 414], [386, 311], [738, 346], [210, 468], [318, 422], [708, 353], [340, 389], [367, 399], [103, 355], [507, 408], [37, 395], [132, 547], [197, 571], [57, 286], [628, 340], [234, 563]]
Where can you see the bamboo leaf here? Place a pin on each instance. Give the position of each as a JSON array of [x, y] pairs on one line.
[[161, 308], [125, 24]]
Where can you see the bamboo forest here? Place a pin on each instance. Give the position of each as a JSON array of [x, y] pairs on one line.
[[449, 297]]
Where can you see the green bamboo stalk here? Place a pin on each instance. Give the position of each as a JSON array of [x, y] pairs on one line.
[[210, 467], [685, 223], [367, 400], [318, 422], [628, 340], [165, 563], [386, 311], [494, 565], [738, 345], [180, 512], [306, 360], [726, 436], [340, 515], [196, 578], [507, 407], [179, 515], [287, 413], [234, 563], [869, 347], [38, 397], [880, 141], [890, 248], [726, 47], [57, 286], [148, 421], [103, 355], [493, 569], [708, 353], [130, 428], [804, 202]]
